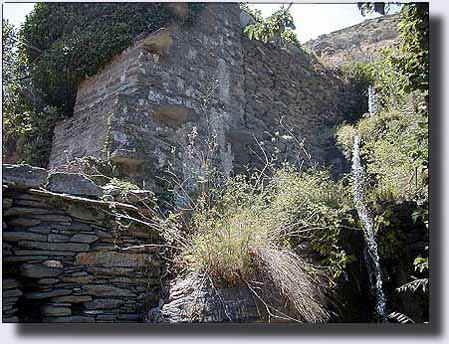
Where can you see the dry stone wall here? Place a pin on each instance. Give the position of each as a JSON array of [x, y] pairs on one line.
[[156, 93], [66, 259], [289, 93], [141, 110]]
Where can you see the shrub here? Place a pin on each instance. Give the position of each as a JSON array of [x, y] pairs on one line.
[[259, 231], [395, 148]]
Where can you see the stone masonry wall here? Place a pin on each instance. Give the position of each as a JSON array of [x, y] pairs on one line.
[[290, 85], [65, 259], [155, 98], [97, 99], [206, 79]]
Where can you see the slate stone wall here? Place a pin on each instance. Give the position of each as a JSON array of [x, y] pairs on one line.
[[66, 259], [288, 93], [140, 110]]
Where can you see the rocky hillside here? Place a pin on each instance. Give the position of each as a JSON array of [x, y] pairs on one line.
[[358, 42]]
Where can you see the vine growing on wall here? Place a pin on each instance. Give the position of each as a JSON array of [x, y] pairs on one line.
[[58, 45], [74, 40]]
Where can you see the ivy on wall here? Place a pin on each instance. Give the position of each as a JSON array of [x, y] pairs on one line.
[[73, 40], [58, 45]]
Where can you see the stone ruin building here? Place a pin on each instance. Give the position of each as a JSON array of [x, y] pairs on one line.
[[150, 97], [63, 254]]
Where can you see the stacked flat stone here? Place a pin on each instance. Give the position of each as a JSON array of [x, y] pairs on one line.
[[63, 254], [11, 293]]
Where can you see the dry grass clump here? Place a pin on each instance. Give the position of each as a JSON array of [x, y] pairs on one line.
[[244, 238], [293, 288]]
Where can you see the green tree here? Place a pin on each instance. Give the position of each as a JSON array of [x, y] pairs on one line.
[[395, 146], [277, 27], [24, 114]]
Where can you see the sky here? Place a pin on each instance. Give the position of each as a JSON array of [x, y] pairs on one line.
[[311, 20]]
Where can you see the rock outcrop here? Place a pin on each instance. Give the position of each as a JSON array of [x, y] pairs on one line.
[[194, 299], [357, 43]]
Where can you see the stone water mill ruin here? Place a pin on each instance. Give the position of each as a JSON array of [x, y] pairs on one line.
[[79, 239]]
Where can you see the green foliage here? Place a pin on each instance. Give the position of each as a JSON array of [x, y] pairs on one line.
[[389, 80], [405, 68], [395, 140], [363, 74], [278, 26], [289, 209], [396, 152], [9, 54], [395, 147], [414, 34], [382, 8], [400, 318], [262, 228], [59, 45], [27, 122], [76, 40], [370, 7]]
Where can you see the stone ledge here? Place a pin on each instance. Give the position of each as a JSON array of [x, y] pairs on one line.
[[23, 176], [73, 184], [127, 157]]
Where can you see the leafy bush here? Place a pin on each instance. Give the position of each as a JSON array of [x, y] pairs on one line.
[[414, 32], [405, 68], [271, 233], [395, 147], [396, 152], [27, 121], [361, 73], [292, 208]]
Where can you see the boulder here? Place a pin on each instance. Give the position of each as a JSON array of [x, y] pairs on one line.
[[194, 299], [24, 176]]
